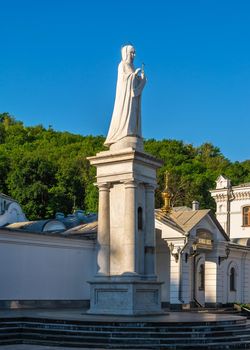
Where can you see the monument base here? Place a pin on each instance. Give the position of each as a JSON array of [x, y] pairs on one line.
[[125, 297]]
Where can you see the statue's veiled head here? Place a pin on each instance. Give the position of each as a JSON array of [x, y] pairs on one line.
[[128, 53]]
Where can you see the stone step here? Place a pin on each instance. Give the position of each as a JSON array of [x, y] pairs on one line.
[[123, 333], [129, 341], [134, 333], [121, 323], [128, 327], [231, 334]]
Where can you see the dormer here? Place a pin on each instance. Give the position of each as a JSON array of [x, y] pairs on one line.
[[222, 182]]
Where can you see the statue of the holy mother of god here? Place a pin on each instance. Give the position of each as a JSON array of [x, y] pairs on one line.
[[126, 118]]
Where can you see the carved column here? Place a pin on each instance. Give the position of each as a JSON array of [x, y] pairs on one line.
[[103, 236], [130, 226], [150, 231]]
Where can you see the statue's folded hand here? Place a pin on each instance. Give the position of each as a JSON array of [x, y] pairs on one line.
[[137, 71]]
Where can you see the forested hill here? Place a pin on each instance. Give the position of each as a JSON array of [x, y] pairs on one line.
[[46, 171]]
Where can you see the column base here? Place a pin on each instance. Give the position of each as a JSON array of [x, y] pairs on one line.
[[109, 297]]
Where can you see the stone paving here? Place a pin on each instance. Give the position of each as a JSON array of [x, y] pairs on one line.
[[81, 315], [39, 347], [42, 347]]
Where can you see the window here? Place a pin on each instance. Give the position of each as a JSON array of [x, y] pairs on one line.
[[232, 279], [246, 216], [202, 277], [140, 218]]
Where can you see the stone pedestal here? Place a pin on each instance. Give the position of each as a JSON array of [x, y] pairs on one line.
[[125, 297], [126, 282]]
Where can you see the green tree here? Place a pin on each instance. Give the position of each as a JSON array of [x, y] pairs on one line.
[[48, 171]]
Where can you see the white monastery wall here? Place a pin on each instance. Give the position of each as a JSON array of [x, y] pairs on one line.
[[37, 267]]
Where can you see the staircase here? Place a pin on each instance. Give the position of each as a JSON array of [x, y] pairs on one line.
[[230, 334]]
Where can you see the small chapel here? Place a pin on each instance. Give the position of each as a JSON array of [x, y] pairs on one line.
[[208, 266]]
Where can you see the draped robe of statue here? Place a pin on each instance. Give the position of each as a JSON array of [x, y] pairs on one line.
[[126, 118]]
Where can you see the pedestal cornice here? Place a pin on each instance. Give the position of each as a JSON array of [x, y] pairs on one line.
[[124, 155]]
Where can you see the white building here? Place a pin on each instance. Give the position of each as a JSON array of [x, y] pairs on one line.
[[10, 211], [233, 208]]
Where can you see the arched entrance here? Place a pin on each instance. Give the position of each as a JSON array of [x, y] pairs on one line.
[[199, 282], [203, 268]]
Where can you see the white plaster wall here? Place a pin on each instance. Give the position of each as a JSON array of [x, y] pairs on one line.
[[210, 281], [237, 260], [246, 281], [45, 268], [187, 278], [236, 228], [221, 214], [174, 281], [240, 198], [163, 267]]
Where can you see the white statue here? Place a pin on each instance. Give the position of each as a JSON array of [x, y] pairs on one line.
[[126, 118]]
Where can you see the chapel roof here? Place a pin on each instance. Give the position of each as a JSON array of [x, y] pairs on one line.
[[187, 219], [166, 219], [183, 219]]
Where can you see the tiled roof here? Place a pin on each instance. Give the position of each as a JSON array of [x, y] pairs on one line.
[[33, 226], [73, 220], [166, 219], [188, 219], [88, 230], [247, 184], [183, 220], [19, 225]]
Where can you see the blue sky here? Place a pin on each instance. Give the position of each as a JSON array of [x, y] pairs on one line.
[[58, 66]]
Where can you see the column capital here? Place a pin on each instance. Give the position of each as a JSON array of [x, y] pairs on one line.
[[105, 186], [130, 183], [150, 187]]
